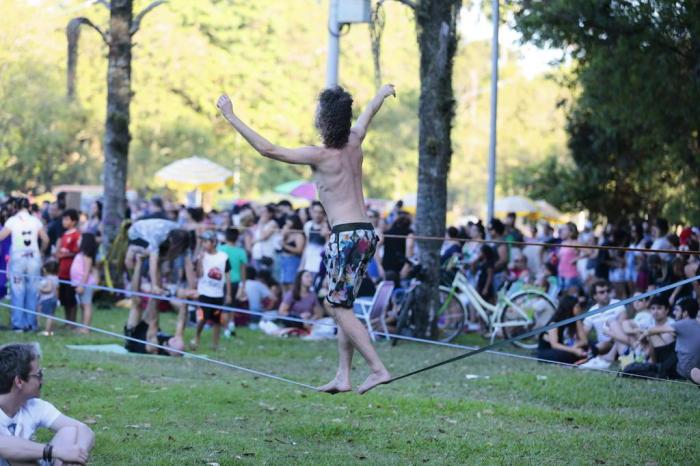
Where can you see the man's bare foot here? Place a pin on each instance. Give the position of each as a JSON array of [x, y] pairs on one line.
[[695, 375], [335, 386], [374, 379]]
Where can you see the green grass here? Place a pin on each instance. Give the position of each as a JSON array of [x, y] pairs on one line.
[[159, 410]]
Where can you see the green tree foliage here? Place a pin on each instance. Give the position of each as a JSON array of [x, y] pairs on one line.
[[633, 131], [270, 56]]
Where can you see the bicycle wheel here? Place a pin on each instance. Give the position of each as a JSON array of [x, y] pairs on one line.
[[526, 311], [404, 319], [450, 316]]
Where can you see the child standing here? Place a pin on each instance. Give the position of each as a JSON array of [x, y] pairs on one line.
[[237, 259], [68, 247], [214, 272], [48, 294], [83, 272]]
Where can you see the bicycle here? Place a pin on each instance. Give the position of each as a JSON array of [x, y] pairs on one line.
[[515, 312]]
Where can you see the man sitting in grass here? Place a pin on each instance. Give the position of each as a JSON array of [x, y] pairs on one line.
[[687, 331], [22, 412]]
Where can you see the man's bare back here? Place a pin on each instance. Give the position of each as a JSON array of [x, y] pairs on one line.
[[338, 178]]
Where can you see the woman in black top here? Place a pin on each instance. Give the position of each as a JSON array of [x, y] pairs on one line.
[[563, 344]]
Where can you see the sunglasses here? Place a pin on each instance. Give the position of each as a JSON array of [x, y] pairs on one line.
[[39, 374]]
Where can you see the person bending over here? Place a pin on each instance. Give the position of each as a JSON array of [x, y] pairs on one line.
[[146, 329], [22, 411], [163, 241], [337, 167]]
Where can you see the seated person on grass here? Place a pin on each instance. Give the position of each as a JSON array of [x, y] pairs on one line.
[[301, 301], [22, 411], [625, 331], [687, 331], [660, 348], [146, 329], [602, 343], [565, 344]]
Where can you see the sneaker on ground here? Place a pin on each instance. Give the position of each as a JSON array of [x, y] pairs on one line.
[[595, 363]]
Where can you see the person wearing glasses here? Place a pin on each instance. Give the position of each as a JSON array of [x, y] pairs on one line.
[[22, 411], [603, 342]]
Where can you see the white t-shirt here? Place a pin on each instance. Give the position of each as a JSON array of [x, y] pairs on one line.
[[256, 292], [25, 232], [662, 243], [315, 243], [267, 247], [34, 414], [213, 280], [599, 321], [644, 320]]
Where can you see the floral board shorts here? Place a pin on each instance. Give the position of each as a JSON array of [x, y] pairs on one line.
[[348, 252]]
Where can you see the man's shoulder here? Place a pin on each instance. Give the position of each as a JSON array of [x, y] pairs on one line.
[[38, 408]]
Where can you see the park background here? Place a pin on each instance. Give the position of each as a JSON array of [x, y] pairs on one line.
[[270, 55]]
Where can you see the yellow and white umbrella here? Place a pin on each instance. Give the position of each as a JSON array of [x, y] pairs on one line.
[[519, 204], [194, 173], [547, 211]]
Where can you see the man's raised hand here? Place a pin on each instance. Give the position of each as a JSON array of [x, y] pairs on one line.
[[387, 90], [224, 104]]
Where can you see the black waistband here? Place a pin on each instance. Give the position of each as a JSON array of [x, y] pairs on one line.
[[352, 226]]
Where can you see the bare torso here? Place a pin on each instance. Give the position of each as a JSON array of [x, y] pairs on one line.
[[339, 181]]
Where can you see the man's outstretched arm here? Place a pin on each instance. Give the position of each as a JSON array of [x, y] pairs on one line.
[[362, 124], [301, 156]]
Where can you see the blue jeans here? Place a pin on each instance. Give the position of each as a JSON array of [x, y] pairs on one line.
[[24, 270]]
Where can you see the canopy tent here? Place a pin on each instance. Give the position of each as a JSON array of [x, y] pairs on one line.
[[298, 188], [194, 174]]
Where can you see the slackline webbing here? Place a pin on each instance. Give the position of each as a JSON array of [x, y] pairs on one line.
[[166, 348]]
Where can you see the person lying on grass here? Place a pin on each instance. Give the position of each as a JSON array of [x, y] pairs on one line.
[[146, 328], [22, 412]]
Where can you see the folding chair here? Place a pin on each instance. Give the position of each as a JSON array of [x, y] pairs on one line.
[[369, 309]]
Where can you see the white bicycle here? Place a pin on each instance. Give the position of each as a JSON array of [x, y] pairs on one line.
[[515, 312]]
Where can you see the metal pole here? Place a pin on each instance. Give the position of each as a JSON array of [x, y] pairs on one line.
[[333, 46], [494, 106]]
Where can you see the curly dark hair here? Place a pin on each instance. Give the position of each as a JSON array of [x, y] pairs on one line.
[[334, 116]]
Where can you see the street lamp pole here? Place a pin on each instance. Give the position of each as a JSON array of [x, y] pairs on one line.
[[494, 105], [333, 45]]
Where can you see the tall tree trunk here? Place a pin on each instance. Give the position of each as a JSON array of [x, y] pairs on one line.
[[117, 136], [436, 22]]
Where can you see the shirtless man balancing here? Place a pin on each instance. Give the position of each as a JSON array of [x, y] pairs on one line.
[[337, 167]]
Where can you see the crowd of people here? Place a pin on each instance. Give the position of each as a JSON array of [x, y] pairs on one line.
[[268, 259]]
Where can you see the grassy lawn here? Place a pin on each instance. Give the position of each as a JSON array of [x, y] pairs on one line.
[[157, 410]]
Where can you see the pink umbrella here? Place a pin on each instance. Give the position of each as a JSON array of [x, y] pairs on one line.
[[298, 188]]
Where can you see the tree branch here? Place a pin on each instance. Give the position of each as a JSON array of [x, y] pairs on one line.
[[136, 24], [409, 3], [75, 23]]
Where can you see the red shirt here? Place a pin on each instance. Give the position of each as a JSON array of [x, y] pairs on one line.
[[70, 241]]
